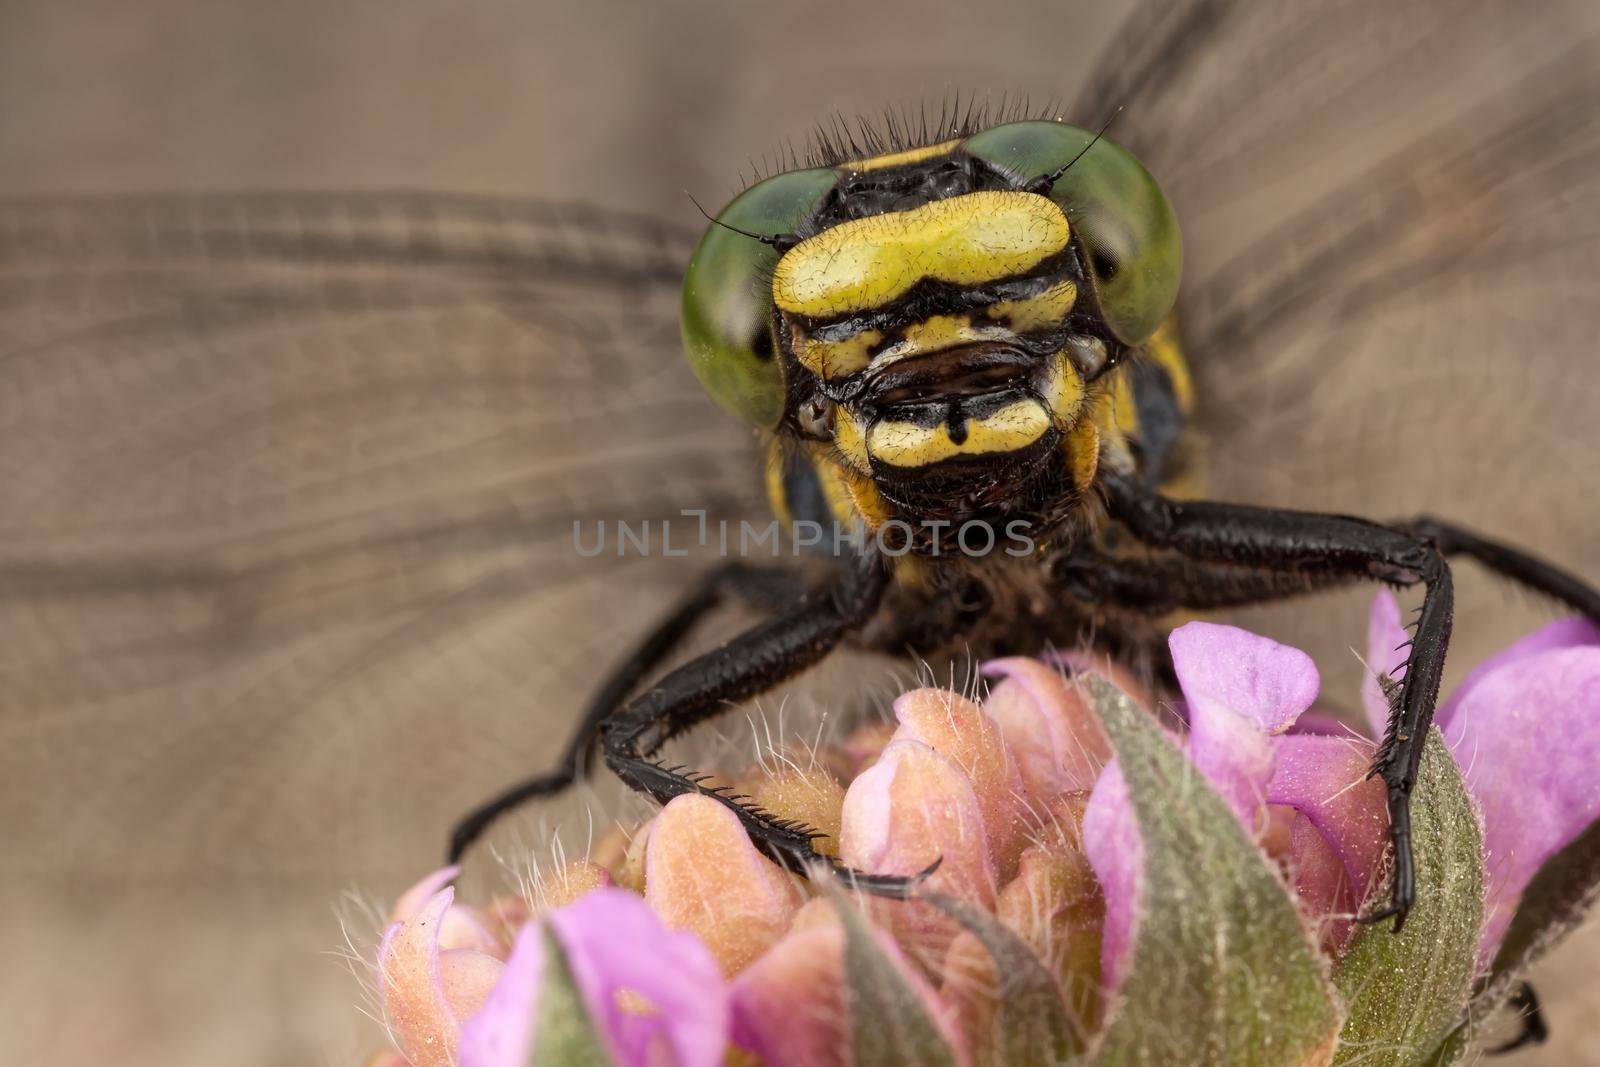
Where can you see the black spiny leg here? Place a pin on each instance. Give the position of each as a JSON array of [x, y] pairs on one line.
[[1321, 548], [1512, 563], [765, 587], [1160, 585], [748, 665]]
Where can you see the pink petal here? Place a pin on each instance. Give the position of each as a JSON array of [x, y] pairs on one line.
[[417, 897], [1387, 649], [791, 1006], [1321, 884], [1240, 688], [1527, 737], [703, 875], [1323, 724], [954, 726], [1325, 780], [1564, 633], [1116, 852], [912, 807], [616, 944], [501, 1033], [655, 998], [1048, 725]]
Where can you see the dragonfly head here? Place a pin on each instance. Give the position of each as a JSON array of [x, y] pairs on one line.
[[934, 323]]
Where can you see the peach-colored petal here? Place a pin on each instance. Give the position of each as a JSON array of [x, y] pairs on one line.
[[1047, 722], [461, 927], [630, 873], [426, 992], [912, 807], [1054, 904], [969, 985], [467, 975], [863, 747], [818, 911], [790, 1006], [803, 794], [563, 885], [1089, 661], [505, 915], [704, 875], [416, 898], [954, 726], [608, 852]]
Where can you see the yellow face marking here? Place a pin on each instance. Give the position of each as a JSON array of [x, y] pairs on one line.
[[1114, 452], [899, 159], [1049, 308], [777, 496], [850, 495], [935, 334], [836, 359], [965, 240], [850, 438], [1082, 446], [1063, 391], [1124, 408], [905, 444]]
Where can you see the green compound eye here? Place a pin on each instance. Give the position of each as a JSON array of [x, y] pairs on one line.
[[727, 294], [1121, 217]]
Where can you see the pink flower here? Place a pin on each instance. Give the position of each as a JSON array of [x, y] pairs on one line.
[[680, 944], [654, 998], [1243, 693], [1524, 726]]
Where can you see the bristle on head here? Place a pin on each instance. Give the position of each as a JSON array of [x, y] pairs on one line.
[[839, 139]]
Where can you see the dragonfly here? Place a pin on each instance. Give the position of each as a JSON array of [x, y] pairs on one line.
[[292, 479]]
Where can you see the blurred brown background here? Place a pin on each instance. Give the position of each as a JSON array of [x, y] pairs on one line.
[[214, 939]]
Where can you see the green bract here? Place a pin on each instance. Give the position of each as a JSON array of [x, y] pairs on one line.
[[727, 302], [1124, 221], [1405, 991], [1222, 970]]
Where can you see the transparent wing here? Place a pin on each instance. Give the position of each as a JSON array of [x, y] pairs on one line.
[[290, 487], [1392, 241]]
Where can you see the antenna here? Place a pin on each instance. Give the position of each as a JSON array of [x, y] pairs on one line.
[[781, 242], [1045, 182]]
